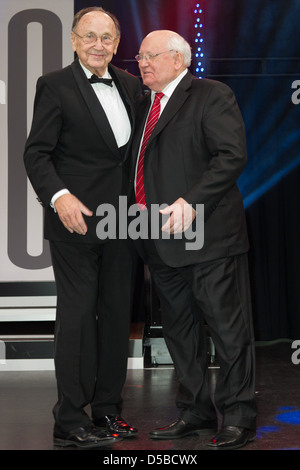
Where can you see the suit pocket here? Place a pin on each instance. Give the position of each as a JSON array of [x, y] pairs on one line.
[[176, 126]]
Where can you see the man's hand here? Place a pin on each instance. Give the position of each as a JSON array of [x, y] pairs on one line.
[[70, 210], [181, 216]]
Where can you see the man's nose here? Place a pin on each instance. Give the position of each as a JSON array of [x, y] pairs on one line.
[[143, 63], [98, 43]]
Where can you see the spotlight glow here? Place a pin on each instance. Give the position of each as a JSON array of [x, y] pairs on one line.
[[290, 417]]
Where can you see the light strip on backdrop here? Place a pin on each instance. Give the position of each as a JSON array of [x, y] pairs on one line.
[[199, 41]]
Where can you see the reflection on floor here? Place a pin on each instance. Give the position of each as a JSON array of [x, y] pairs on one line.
[[26, 400]]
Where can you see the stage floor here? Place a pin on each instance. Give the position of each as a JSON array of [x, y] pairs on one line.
[[26, 400]]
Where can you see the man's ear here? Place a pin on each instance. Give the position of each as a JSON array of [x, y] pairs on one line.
[[73, 41], [116, 46], [178, 60]]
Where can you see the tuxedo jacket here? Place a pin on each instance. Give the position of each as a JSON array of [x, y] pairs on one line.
[[71, 145], [197, 151]]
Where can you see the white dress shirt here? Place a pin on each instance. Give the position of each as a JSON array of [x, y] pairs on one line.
[[114, 108]]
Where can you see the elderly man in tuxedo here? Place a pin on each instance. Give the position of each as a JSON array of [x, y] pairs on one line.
[[76, 158], [194, 152]]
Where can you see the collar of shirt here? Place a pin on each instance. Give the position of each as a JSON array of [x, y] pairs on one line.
[[169, 89]]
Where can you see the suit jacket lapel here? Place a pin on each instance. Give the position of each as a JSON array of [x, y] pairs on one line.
[[126, 97], [177, 99], [143, 110]]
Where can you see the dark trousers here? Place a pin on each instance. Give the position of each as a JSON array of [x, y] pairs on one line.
[[94, 299], [218, 294]]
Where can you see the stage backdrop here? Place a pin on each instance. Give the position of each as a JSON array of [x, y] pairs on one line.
[[34, 37], [253, 46]]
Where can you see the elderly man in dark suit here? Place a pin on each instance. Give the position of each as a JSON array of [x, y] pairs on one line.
[[192, 158], [76, 158]]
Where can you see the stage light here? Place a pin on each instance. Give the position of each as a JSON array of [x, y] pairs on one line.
[[263, 430], [199, 70], [290, 417]]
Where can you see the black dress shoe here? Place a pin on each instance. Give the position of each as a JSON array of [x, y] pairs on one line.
[[232, 437], [87, 437], [116, 424], [181, 428]]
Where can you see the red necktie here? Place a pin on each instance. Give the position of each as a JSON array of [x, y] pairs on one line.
[[151, 122]]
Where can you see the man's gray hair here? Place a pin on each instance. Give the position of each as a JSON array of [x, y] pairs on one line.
[[178, 43]]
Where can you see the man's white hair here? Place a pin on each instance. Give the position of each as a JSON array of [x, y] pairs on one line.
[[178, 43]]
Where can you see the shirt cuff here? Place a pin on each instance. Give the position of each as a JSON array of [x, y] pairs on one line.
[[56, 196]]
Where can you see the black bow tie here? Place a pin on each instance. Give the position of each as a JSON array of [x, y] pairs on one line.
[[95, 79]]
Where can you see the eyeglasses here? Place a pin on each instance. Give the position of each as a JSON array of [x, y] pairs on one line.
[[92, 38], [149, 57]]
